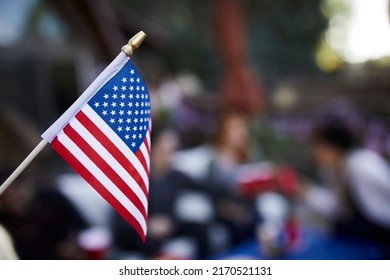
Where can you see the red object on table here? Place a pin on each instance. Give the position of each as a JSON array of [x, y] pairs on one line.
[[283, 179], [253, 185], [288, 181]]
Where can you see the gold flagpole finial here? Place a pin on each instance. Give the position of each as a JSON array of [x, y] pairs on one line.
[[134, 43]]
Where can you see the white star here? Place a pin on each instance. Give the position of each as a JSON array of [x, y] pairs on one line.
[[113, 112], [138, 80], [143, 88], [144, 127], [115, 88], [135, 128], [136, 112], [131, 88], [129, 112], [131, 80], [104, 112], [105, 96], [124, 80], [134, 136], [127, 137], [121, 112], [105, 104], [137, 96], [131, 96], [139, 136], [119, 128], [137, 88], [130, 104], [115, 96], [136, 104], [132, 71], [142, 112], [142, 104], [112, 120], [127, 128], [141, 120], [140, 128], [113, 104], [123, 88], [120, 120], [123, 96], [128, 120], [96, 104], [135, 120], [122, 104], [133, 144]]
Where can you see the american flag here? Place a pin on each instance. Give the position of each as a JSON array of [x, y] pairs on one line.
[[105, 137]]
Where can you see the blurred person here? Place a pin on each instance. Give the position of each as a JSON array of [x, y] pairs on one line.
[[7, 251], [42, 223], [230, 144], [166, 187], [231, 150], [359, 182]]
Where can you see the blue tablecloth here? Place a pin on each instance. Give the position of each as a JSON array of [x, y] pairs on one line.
[[316, 245]]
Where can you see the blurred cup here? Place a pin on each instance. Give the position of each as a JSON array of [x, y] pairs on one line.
[[95, 241], [179, 249], [271, 240]]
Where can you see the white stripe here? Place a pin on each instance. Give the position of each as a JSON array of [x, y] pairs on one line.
[[148, 139], [103, 179], [115, 66], [116, 140], [111, 161]]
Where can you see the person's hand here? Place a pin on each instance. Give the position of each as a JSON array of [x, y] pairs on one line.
[[160, 226], [68, 249]]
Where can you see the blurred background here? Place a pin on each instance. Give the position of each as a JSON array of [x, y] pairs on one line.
[[271, 133]]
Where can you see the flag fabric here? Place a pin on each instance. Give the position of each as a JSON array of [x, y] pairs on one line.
[[105, 137]]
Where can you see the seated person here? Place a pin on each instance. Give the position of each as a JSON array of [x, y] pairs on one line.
[[42, 223], [166, 186], [231, 148], [359, 180]]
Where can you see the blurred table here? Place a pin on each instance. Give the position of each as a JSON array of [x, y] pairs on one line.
[[317, 244]]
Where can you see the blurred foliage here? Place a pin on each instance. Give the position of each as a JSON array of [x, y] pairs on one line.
[[282, 34], [327, 59], [331, 8]]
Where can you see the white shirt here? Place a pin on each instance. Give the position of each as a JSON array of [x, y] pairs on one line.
[[368, 175], [368, 178]]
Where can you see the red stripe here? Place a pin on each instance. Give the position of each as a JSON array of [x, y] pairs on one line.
[[105, 168], [147, 147], [110, 147], [87, 175], [141, 159]]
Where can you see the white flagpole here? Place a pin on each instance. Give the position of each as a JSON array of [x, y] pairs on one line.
[[133, 44]]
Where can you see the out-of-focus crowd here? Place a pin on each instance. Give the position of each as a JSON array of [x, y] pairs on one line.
[[207, 198]]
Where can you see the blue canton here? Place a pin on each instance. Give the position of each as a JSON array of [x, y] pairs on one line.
[[124, 104]]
